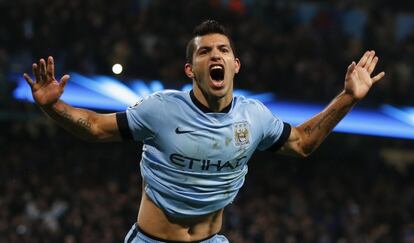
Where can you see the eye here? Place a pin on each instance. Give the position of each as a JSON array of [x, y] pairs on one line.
[[203, 51], [225, 50]]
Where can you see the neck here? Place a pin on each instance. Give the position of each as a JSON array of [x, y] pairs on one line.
[[215, 104]]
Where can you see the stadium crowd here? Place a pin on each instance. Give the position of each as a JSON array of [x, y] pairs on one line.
[[297, 49], [55, 188]]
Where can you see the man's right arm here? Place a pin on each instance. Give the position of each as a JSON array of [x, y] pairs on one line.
[[86, 124]]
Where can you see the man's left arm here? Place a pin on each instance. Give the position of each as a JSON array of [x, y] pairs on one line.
[[305, 138]]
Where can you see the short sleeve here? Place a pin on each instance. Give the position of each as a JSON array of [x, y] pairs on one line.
[[139, 122], [275, 131]]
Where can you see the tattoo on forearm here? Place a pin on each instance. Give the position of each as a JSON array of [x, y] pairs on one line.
[[81, 121], [308, 131], [329, 120], [65, 114], [84, 123]]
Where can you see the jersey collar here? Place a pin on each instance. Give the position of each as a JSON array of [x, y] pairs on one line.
[[204, 108]]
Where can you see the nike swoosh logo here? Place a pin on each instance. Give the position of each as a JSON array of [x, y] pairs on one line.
[[178, 131]]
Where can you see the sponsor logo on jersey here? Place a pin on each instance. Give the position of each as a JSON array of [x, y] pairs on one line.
[[241, 131], [207, 164], [181, 131]]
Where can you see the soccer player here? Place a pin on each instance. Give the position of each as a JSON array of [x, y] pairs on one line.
[[197, 143]]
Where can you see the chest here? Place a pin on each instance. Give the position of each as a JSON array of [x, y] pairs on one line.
[[209, 143]]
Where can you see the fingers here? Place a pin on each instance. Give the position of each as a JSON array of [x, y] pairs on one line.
[[42, 64], [64, 80], [350, 69], [35, 69], [43, 72], [28, 79], [366, 59], [372, 65], [370, 57], [50, 68], [378, 77], [369, 61], [363, 59]]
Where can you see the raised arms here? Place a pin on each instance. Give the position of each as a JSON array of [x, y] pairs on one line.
[[86, 124], [304, 139]]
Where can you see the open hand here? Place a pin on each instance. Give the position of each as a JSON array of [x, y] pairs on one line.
[[46, 90], [358, 80]]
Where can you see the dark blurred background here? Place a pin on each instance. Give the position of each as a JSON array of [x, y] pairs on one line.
[[56, 188]]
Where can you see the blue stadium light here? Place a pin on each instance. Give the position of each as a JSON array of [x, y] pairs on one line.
[[22, 91], [115, 89], [404, 114], [79, 91], [187, 87], [156, 85], [108, 93], [140, 87]]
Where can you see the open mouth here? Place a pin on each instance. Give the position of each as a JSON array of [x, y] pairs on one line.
[[217, 72]]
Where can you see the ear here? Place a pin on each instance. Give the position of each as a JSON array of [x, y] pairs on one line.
[[237, 65], [188, 69]]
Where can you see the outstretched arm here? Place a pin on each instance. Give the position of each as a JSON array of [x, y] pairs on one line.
[[86, 124], [305, 138]]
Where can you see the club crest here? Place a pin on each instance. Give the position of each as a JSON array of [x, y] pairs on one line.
[[241, 131]]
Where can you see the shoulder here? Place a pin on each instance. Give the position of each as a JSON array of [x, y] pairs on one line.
[[160, 97], [171, 94], [249, 103], [167, 94]]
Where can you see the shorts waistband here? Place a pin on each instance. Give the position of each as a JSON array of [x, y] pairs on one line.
[[169, 241]]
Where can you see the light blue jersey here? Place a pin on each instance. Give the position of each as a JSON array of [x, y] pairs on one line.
[[194, 161]]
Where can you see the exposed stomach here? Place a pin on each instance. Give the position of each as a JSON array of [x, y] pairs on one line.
[[153, 221]]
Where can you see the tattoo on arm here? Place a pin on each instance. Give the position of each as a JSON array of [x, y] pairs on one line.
[[329, 120], [66, 115], [308, 131], [84, 123], [81, 121]]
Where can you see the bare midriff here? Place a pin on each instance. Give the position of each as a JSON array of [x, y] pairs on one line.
[[153, 221]]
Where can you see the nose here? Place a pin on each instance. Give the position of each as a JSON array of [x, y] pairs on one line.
[[215, 55]]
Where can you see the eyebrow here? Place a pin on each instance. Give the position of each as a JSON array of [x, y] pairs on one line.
[[210, 47]]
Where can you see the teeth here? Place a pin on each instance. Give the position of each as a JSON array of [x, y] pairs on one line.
[[216, 67]]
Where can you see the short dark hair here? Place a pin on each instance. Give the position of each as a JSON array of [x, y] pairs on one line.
[[205, 28]]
